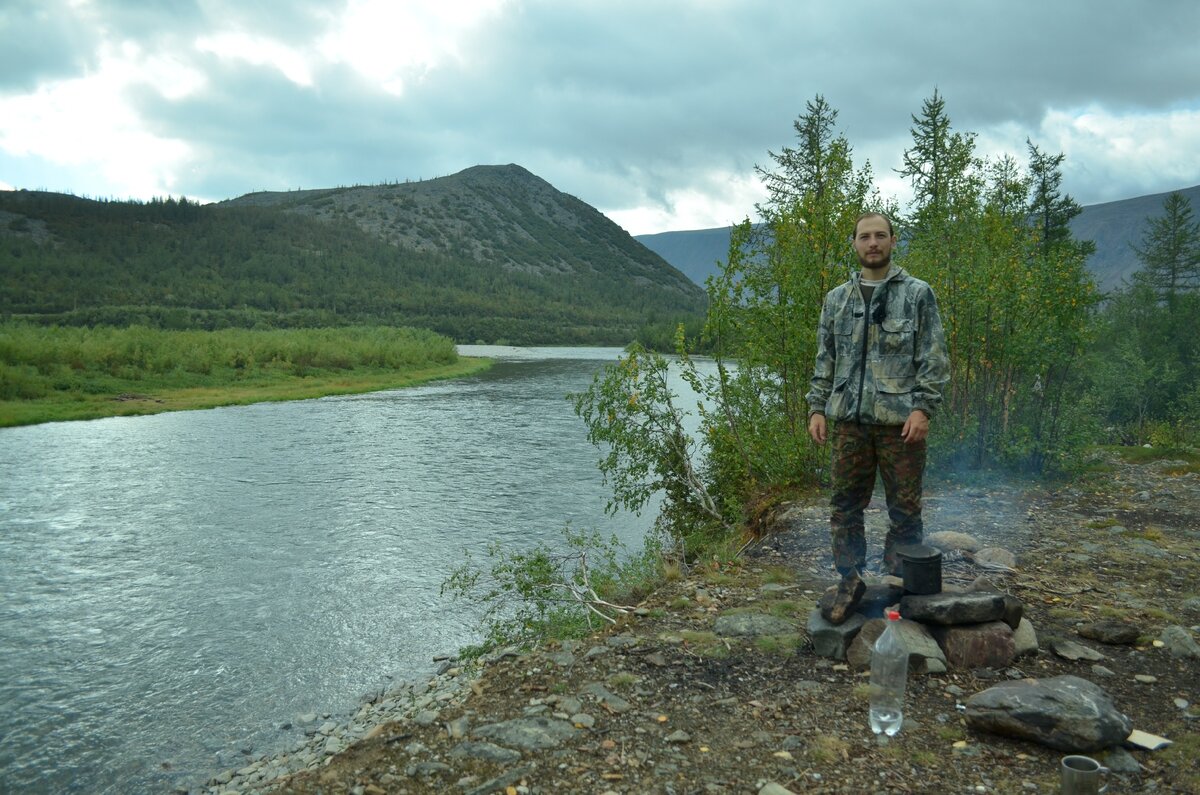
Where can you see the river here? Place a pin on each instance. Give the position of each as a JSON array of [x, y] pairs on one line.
[[178, 587]]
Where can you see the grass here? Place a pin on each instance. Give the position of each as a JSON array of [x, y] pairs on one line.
[[63, 374], [1183, 753], [779, 575], [125, 403], [778, 644], [1144, 455], [623, 679], [828, 749]]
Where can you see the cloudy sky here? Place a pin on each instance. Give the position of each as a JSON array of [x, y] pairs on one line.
[[653, 111]]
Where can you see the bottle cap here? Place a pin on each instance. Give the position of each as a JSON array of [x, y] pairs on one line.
[[893, 615]]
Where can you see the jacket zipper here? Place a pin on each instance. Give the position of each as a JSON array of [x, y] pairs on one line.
[[862, 367]]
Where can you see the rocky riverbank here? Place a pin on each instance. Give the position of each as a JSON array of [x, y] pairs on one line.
[[713, 685]]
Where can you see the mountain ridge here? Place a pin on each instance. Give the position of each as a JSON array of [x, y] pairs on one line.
[[1113, 226], [492, 254]]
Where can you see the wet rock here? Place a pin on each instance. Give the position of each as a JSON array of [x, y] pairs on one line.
[[608, 699], [531, 733], [426, 717], [1070, 650], [995, 558], [950, 541], [752, 625], [1118, 760], [488, 752], [832, 640], [1064, 712], [1024, 639], [1179, 642], [426, 769], [1014, 609], [955, 608], [1111, 632], [969, 646]]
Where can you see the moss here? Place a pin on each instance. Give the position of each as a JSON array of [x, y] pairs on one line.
[[779, 575], [950, 733], [828, 749], [1182, 754], [622, 680], [788, 609], [778, 644]]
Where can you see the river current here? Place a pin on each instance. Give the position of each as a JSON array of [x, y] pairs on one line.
[[178, 587]]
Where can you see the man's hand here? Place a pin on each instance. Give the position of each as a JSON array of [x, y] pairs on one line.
[[915, 429], [816, 428]]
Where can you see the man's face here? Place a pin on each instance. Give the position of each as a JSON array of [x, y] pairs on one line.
[[873, 243]]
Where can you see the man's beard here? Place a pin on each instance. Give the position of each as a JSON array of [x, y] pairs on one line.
[[882, 264]]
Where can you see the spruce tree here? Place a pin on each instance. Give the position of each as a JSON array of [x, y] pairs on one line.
[[1170, 250]]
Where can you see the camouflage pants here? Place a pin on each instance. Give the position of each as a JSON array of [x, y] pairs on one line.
[[858, 452]]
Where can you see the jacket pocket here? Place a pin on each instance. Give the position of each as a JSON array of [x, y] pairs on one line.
[[843, 336], [896, 336], [894, 398], [839, 407]]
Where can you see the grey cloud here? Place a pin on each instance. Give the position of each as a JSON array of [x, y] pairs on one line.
[[622, 103], [38, 42]]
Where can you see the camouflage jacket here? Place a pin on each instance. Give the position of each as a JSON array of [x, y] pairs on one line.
[[877, 363]]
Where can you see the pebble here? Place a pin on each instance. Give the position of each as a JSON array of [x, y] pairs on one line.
[[400, 701], [1145, 679]]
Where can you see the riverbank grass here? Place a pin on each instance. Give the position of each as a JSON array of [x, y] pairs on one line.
[[61, 374]]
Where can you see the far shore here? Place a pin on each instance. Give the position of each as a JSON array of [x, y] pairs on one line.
[[314, 385]]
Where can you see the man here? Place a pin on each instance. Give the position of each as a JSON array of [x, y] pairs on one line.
[[880, 367]]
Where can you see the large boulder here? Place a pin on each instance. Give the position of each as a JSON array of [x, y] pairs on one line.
[[832, 640], [924, 654], [970, 646], [957, 608], [1064, 712]]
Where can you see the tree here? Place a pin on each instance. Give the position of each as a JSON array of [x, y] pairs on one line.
[[1170, 250], [1050, 210], [996, 247]]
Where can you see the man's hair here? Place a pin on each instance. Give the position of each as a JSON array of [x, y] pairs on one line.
[[874, 214]]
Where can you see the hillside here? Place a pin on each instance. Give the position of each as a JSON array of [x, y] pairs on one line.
[[1113, 226], [491, 254]]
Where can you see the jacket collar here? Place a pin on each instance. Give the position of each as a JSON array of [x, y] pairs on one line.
[[895, 274]]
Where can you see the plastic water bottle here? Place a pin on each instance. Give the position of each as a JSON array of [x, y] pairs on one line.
[[889, 674]]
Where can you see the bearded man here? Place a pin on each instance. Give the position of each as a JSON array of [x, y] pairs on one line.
[[880, 368]]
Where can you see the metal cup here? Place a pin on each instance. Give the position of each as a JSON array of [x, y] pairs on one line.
[[1081, 776]]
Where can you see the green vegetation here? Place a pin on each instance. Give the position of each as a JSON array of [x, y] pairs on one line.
[[1037, 365], [51, 374], [560, 590], [1144, 371], [505, 259]]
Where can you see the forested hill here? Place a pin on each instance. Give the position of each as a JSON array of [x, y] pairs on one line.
[[491, 254]]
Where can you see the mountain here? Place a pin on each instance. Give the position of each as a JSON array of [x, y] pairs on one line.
[[695, 252], [1113, 226], [492, 253]]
